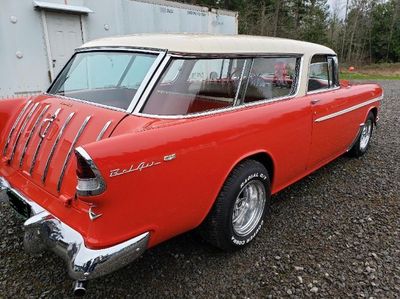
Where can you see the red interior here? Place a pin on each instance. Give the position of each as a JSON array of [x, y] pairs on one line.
[[179, 104]]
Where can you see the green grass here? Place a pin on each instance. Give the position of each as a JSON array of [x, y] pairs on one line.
[[360, 76]]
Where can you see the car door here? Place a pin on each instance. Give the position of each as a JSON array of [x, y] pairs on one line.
[[329, 134]]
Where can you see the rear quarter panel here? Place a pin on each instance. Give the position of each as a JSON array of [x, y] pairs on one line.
[[175, 196]]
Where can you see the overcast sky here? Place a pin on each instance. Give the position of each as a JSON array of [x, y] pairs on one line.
[[338, 4]]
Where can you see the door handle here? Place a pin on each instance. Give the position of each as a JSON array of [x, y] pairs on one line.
[[313, 102]]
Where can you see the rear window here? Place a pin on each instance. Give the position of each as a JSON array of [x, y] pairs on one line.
[[107, 78]]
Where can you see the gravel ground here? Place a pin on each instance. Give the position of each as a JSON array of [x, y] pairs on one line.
[[335, 233]]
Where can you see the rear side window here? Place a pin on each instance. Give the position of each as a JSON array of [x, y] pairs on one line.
[[271, 77], [196, 85], [323, 73]]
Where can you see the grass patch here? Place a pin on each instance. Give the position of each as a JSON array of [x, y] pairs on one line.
[[381, 71], [362, 76]]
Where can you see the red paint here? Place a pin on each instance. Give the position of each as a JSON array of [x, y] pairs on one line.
[[175, 196]]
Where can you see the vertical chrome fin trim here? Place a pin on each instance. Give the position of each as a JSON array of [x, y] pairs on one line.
[[22, 129], [54, 116], [15, 125], [51, 154], [21, 160], [67, 158], [101, 134]]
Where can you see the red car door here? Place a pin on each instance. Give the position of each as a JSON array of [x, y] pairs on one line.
[[330, 134]]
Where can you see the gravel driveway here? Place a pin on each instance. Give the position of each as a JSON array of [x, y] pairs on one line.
[[336, 233]]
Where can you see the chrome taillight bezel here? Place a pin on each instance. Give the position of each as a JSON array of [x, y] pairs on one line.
[[101, 184]]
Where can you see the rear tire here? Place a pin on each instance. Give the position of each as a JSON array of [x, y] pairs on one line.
[[240, 208], [361, 146]]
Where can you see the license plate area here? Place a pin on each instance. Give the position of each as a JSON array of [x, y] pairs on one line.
[[20, 206]]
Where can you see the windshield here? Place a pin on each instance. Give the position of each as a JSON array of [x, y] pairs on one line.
[[107, 78]]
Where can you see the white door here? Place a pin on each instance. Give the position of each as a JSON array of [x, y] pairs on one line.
[[65, 35]]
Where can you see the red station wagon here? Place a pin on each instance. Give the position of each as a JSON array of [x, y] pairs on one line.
[[141, 138]]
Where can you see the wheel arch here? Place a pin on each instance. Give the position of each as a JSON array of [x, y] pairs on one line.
[[374, 110], [262, 156]]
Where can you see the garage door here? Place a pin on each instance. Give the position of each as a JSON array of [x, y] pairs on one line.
[[65, 35]]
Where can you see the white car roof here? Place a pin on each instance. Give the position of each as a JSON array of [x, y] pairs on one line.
[[211, 44]]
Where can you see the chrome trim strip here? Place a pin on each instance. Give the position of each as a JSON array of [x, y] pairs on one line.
[[101, 134], [15, 125], [151, 84], [235, 101], [85, 102], [102, 184], [120, 48], [145, 82], [22, 129], [55, 115], [31, 134], [60, 133], [341, 112], [322, 90], [154, 80], [83, 126]]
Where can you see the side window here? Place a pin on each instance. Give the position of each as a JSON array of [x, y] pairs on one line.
[[272, 77], [323, 73], [196, 85]]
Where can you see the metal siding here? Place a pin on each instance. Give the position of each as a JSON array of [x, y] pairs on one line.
[[29, 74]]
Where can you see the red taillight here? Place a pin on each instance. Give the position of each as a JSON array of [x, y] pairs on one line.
[[83, 170], [90, 181]]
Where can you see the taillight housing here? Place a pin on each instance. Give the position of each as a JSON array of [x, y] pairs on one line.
[[90, 181]]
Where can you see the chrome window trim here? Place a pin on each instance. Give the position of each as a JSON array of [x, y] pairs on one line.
[[145, 82], [150, 86], [156, 77], [160, 55], [347, 110], [308, 75], [322, 90]]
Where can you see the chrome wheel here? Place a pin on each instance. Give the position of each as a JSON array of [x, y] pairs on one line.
[[248, 208], [365, 135]]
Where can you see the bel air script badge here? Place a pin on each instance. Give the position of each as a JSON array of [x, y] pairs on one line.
[[139, 167]]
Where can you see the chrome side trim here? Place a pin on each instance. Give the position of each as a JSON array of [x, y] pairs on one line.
[[45, 231], [64, 167], [347, 110], [21, 160], [22, 129], [55, 115], [101, 134], [15, 125], [51, 154], [102, 184]]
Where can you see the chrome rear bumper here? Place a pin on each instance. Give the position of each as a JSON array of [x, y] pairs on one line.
[[44, 231]]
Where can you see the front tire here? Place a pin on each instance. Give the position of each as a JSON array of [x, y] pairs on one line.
[[361, 146], [239, 211]]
